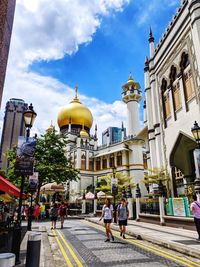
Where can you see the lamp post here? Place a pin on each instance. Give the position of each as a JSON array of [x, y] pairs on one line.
[[114, 189], [196, 133], [29, 116]]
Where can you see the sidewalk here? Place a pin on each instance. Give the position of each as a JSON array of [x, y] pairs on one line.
[[177, 239], [46, 257]]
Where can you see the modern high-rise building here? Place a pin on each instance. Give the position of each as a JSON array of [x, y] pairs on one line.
[[112, 135], [7, 9], [13, 127]]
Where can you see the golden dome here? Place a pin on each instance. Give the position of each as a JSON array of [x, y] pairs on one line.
[[51, 128], [75, 113], [83, 133]]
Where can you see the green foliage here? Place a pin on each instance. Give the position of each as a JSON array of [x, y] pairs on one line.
[[50, 161], [10, 175], [104, 182]]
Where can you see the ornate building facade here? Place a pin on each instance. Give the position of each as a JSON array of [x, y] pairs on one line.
[[93, 161], [7, 9], [172, 96]]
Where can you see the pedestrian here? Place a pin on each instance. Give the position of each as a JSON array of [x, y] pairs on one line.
[[122, 216], [107, 215], [54, 216], [36, 212], [62, 213], [195, 208], [42, 211]]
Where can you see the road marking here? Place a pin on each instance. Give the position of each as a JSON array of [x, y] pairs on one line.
[[69, 264], [70, 249], [157, 251]]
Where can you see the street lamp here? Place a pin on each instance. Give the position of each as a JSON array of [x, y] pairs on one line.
[[114, 188], [196, 133], [29, 116]]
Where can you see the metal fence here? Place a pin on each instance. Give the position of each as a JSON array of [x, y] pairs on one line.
[[149, 206]]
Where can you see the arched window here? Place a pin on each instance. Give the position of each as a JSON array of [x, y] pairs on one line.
[[91, 165], [112, 161], [98, 164], [119, 159], [83, 162], [187, 77], [104, 163], [175, 86], [165, 100]]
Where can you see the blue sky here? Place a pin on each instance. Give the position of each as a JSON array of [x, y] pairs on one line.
[[92, 43], [118, 47]]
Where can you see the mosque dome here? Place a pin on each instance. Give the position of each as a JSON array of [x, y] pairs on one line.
[[76, 114], [131, 83]]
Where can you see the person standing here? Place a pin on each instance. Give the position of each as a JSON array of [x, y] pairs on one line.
[[36, 211], [62, 213], [54, 216], [107, 214], [195, 208], [122, 216]]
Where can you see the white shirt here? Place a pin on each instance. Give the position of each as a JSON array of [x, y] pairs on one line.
[[107, 212]]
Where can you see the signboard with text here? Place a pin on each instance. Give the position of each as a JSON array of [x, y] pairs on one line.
[[24, 165]]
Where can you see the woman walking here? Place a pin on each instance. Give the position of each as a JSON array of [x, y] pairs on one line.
[[107, 214], [54, 216], [122, 215]]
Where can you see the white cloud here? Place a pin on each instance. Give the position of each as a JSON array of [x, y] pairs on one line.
[[47, 30]]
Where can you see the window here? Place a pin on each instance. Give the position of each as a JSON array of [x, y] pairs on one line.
[[119, 159], [167, 105], [165, 100], [98, 164], [177, 97], [91, 165], [83, 162], [187, 77], [104, 163], [112, 161], [189, 85], [145, 161]]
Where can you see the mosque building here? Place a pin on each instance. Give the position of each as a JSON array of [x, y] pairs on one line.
[[172, 97], [75, 121]]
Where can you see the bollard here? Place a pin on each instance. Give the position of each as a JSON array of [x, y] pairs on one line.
[[7, 259], [33, 250]]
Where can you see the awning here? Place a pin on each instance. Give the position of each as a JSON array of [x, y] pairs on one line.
[[110, 151], [8, 187]]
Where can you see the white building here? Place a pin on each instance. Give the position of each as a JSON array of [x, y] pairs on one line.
[[93, 161], [172, 96]]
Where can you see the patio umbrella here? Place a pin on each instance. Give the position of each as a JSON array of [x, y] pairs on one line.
[[89, 195]]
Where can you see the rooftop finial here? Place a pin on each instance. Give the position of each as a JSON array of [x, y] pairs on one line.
[[130, 77], [151, 38], [76, 91]]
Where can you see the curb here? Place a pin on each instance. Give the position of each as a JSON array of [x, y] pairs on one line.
[[190, 251]]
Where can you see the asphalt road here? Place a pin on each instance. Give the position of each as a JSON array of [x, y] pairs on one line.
[[82, 244]]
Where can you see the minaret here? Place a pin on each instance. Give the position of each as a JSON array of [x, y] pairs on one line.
[[122, 129], [95, 138], [131, 95], [151, 43]]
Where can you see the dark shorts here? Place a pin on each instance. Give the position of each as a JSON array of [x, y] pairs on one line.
[[122, 222], [54, 219], [107, 220]]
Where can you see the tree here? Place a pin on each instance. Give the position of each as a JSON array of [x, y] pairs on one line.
[[104, 182], [157, 176], [50, 160]]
